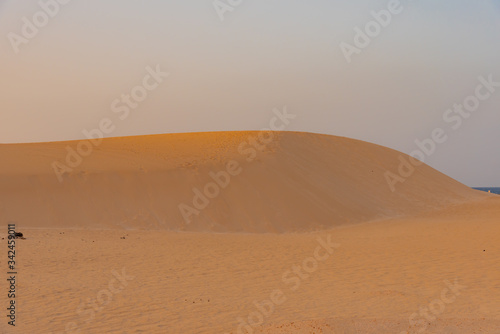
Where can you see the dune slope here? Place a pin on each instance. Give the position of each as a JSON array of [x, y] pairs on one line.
[[287, 182]]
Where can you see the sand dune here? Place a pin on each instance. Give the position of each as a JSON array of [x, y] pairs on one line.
[[431, 246], [295, 182]]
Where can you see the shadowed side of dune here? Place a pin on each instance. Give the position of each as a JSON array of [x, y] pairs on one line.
[[285, 182]]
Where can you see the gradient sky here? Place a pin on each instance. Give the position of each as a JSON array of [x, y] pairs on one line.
[[230, 75]]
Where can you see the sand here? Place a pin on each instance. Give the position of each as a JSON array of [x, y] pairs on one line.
[[366, 266], [296, 182]]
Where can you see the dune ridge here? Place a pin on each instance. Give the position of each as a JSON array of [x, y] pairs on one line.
[[295, 182]]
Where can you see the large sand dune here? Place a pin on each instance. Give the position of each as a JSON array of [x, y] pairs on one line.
[[295, 182], [427, 263]]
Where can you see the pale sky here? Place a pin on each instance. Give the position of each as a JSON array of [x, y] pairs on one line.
[[229, 75]]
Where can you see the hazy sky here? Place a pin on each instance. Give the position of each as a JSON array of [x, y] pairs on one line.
[[230, 74]]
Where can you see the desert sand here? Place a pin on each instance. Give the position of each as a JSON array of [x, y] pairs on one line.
[[307, 238]]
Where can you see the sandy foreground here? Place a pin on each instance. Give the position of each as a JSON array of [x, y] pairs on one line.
[[378, 275]]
